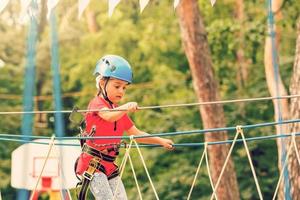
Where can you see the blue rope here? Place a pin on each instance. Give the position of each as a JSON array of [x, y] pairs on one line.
[[29, 78], [198, 131], [59, 125], [276, 74], [59, 120], [274, 136]]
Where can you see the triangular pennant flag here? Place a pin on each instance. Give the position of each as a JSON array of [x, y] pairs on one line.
[[111, 6], [176, 2], [3, 4], [24, 14], [213, 2], [51, 5], [82, 4], [143, 4]]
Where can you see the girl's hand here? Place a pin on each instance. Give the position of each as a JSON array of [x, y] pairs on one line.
[[167, 144], [131, 106]]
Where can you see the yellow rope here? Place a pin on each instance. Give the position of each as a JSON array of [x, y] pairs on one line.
[[224, 166], [51, 143], [295, 146], [145, 167], [240, 130], [122, 166], [281, 173], [135, 179], [293, 141], [197, 171], [208, 171]]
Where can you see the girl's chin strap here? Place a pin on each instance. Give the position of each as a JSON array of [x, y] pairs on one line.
[[104, 93]]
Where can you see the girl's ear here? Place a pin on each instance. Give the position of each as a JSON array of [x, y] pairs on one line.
[[101, 83]]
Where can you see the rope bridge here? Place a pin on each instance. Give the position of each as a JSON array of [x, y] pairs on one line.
[[28, 138], [133, 144], [239, 132]]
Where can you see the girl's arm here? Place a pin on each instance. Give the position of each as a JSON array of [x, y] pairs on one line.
[[166, 143], [116, 115]]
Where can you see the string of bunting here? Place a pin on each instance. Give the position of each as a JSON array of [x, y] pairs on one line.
[[26, 10]]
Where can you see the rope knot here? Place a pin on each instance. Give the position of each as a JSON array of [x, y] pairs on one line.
[[131, 137], [239, 128]]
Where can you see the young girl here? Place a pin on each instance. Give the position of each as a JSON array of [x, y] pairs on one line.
[[96, 163]]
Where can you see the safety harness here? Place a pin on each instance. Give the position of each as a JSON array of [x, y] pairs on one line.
[[94, 165]]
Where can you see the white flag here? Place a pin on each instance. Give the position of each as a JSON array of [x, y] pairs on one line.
[[143, 4], [213, 2], [24, 14], [3, 4], [51, 5], [82, 4], [111, 6], [176, 2]]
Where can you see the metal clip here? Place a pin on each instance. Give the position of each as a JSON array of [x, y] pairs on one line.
[[87, 175]]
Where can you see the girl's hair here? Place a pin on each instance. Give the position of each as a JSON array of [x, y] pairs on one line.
[[99, 92]]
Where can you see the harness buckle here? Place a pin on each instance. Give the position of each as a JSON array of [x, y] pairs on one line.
[[93, 165], [87, 176], [94, 162]]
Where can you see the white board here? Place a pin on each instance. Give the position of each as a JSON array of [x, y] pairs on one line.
[[28, 160]]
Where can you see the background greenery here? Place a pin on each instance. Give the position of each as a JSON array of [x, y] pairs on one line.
[[151, 42]]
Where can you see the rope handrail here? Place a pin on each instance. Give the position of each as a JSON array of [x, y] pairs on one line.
[[192, 144], [153, 107], [197, 131]]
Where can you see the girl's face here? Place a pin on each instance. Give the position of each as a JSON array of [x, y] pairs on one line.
[[115, 89]]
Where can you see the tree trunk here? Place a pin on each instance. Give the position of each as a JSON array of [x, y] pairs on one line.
[[41, 119], [242, 72], [241, 60], [43, 20], [196, 47], [276, 86], [294, 168], [91, 21]]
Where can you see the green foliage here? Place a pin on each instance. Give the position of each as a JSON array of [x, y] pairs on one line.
[[151, 42]]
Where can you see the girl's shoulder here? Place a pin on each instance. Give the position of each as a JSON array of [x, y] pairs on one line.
[[98, 102]]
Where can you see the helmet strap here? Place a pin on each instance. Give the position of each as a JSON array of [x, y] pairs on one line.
[[108, 100], [105, 93]]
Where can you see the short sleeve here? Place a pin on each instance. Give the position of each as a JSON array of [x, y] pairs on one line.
[[96, 104], [127, 122]]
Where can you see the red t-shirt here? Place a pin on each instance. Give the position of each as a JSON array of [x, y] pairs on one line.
[[103, 128]]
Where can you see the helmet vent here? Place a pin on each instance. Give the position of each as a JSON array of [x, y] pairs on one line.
[[112, 68], [106, 62]]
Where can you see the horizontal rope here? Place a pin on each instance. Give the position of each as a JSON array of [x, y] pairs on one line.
[[153, 107], [175, 145], [199, 131]]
